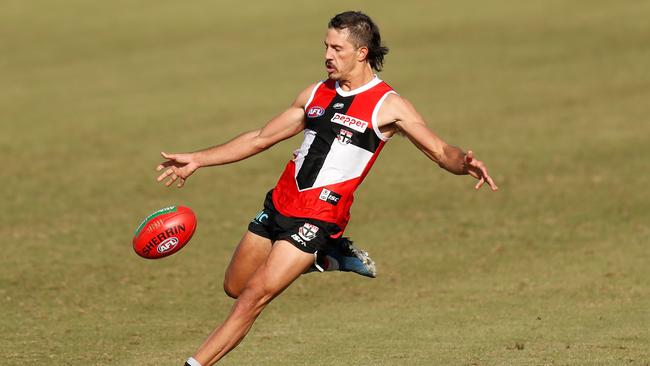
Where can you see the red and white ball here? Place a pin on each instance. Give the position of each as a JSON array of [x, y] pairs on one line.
[[164, 232]]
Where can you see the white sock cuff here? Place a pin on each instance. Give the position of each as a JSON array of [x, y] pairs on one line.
[[192, 362], [318, 267]]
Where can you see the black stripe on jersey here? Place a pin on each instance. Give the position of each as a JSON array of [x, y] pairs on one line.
[[367, 140], [325, 136]]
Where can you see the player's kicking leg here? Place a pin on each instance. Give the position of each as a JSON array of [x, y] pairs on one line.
[[253, 250], [344, 256], [339, 255], [284, 264]]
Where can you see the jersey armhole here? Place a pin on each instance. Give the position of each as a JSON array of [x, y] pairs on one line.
[[313, 92], [375, 113]]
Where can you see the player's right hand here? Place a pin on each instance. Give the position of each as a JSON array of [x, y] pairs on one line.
[[180, 166]]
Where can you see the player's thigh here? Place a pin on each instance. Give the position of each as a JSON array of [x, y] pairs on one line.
[[284, 264], [251, 252]]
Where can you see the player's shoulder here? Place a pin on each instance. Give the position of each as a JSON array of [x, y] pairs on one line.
[[311, 87], [396, 102], [397, 108], [307, 93]]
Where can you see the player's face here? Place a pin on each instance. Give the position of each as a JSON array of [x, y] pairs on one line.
[[340, 54]]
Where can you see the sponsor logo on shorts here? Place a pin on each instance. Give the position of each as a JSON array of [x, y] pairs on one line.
[[338, 106], [261, 217], [344, 136], [329, 196], [308, 231], [349, 121], [298, 240], [167, 245], [315, 111]]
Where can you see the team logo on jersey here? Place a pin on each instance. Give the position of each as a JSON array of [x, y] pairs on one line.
[[349, 121], [329, 196], [344, 136], [315, 111], [308, 231], [338, 106]]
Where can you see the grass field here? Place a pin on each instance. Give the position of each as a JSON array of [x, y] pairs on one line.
[[552, 270]]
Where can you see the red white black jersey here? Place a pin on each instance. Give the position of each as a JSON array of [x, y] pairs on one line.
[[342, 141]]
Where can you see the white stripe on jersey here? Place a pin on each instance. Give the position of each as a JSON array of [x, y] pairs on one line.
[[343, 162], [304, 149], [313, 92], [375, 113]]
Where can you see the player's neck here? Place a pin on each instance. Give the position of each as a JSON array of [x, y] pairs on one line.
[[357, 79]]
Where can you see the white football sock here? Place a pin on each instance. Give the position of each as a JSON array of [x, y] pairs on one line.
[[192, 362]]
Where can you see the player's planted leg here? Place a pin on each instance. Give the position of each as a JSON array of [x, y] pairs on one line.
[[284, 264]]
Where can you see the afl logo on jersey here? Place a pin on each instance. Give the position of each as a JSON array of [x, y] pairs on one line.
[[315, 111]]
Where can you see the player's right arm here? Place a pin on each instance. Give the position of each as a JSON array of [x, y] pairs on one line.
[[283, 126]]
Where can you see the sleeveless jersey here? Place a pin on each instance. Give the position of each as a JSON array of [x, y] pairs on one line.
[[342, 141]]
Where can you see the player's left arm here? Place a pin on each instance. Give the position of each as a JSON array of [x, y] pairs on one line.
[[399, 115]]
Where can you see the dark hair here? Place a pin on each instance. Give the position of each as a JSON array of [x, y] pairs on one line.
[[363, 33]]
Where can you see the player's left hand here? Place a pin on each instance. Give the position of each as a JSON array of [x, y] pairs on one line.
[[477, 169]]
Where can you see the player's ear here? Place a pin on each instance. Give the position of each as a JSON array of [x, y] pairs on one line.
[[362, 53]]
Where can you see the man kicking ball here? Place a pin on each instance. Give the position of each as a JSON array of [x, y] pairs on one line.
[[346, 120]]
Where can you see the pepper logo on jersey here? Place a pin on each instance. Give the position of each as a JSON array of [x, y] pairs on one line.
[[308, 231], [348, 121], [344, 136], [315, 111]]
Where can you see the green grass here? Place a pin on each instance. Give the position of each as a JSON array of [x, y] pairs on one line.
[[551, 270]]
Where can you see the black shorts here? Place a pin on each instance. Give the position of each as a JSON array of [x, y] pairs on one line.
[[306, 234]]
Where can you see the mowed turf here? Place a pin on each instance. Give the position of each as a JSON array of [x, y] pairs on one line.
[[551, 270]]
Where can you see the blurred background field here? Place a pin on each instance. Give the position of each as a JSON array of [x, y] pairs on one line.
[[551, 270]]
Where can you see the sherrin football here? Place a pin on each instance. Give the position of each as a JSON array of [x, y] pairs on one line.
[[164, 232]]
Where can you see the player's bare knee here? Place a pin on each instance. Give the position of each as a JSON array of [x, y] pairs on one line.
[[254, 298], [248, 305], [231, 290]]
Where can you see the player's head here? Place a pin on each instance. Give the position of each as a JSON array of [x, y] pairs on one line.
[[352, 41]]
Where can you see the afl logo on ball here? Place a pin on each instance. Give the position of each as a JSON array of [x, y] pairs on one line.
[[167, 245], [315, 111]]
